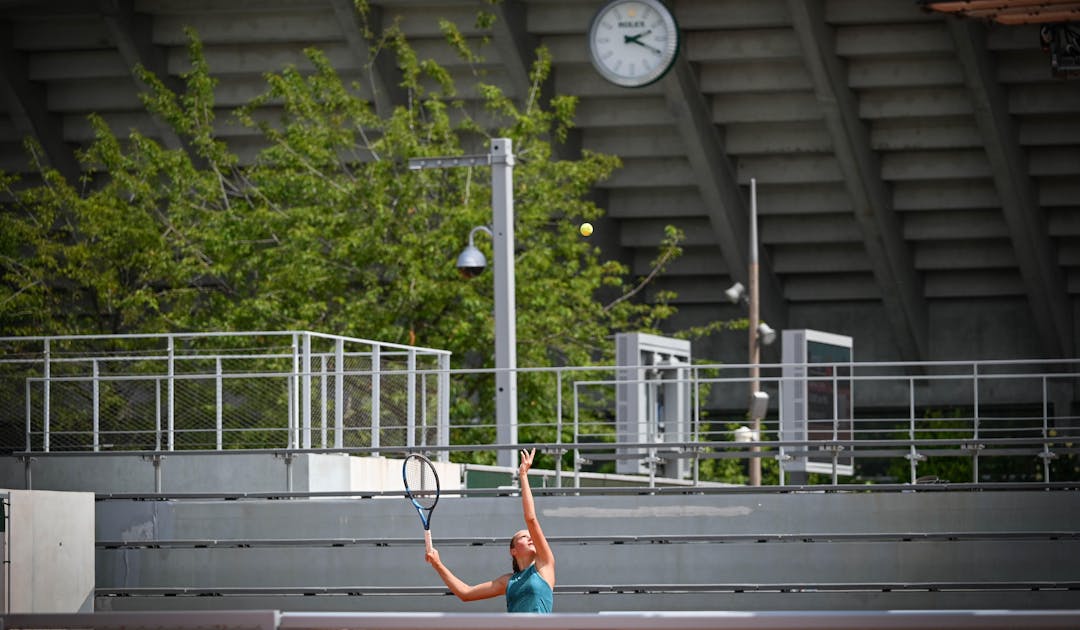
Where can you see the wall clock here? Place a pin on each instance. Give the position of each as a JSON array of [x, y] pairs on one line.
[[633, 43]]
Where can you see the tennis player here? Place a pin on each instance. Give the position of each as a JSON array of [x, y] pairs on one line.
[[530, 586]]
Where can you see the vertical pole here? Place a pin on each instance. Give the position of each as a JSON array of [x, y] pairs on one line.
[[305, 391], [157, 414], [502, 203], [376, 396], [444, 406], [410, 398], [755, 348], [339, 393], [294, 392], [322, 399], [975, 427], [97, 406], [914, 454], [170, 414], [1045, 433], [218, 403], [45, 402], [558, 429]]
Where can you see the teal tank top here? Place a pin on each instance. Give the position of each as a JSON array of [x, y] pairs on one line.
[[527, 592]]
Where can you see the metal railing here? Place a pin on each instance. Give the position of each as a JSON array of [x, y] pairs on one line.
[[302, 391], [222, 391]]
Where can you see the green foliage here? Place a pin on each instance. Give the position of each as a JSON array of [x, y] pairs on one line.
[[327, 229]]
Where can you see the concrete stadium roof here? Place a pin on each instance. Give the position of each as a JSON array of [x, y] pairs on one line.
[[918, 173]]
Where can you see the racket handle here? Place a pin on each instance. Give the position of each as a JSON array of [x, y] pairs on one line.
[[427, 539]]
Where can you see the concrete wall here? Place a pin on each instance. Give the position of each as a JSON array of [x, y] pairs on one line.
[[613, 552], [50, 542], [210, 472]]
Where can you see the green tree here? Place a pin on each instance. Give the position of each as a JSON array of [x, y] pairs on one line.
[[326, 229]]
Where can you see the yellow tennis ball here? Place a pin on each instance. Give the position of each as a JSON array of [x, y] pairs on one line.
[[586, 228]]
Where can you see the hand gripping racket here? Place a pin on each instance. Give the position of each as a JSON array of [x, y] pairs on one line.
[[422, 488]]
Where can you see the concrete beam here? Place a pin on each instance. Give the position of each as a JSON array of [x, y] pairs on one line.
[[726, 208], [516, 48], [1043, 278], [381, 70], [891, 259], [130, 33], [26, 104]]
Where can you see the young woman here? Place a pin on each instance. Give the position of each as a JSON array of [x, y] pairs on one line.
[[529, 587]]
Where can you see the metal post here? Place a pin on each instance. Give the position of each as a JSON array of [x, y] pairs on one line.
[[339, 393], [97, 406], [170, 416], [501, 159], [755, 347], [410, 398], [558, 429], [218, 400], [305, 391], [157, 414], [322, 399], [444, 406], [502, 206], [376, 396], [45, 402]]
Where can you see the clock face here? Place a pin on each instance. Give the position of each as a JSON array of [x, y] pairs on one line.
[[633, 42]]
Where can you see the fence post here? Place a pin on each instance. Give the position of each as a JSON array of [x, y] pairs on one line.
[[913, 456], [47, 393], [305, 390], [339, 393], [376, 395], [294, 391], [410, 398], [217, 402], [975, 422], [96, 385], [170, 420], [322, 399], [444, 406]]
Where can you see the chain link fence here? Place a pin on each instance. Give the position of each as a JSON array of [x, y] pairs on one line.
[[219, 391]]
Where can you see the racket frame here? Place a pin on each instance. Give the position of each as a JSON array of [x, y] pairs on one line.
[[420, 510]]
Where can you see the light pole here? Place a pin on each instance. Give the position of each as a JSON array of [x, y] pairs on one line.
[[760, 334], [755, 347], [501, 159]]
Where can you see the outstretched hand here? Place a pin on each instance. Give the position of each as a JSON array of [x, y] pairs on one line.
[[432, 557], [526, 462]]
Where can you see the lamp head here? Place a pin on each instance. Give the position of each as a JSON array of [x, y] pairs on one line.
[[736, 293], [766, 334], [759, 405]]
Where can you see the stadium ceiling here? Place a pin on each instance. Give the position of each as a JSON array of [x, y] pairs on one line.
[[918, 173]]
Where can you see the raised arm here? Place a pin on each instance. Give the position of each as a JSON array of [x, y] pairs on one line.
[[466, 592], [545, 558]]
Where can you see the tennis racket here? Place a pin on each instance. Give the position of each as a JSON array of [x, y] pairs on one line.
[[422, 488]]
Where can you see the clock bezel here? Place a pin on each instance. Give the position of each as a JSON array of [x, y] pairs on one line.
[[671, 52]]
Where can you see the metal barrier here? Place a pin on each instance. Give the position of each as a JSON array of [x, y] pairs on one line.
[[222, 391], [307, 392]]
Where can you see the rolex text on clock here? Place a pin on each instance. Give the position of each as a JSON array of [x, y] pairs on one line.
[[633, 43]]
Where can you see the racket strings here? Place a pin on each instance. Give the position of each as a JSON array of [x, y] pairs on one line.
[[422, 481]]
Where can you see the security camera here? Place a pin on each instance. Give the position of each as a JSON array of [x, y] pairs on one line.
[[471, 262]]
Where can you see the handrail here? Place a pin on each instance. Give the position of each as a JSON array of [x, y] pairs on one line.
[[474, 541], [294, 397]]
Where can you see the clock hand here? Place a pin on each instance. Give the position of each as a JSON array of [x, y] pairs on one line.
[[634, 40]]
